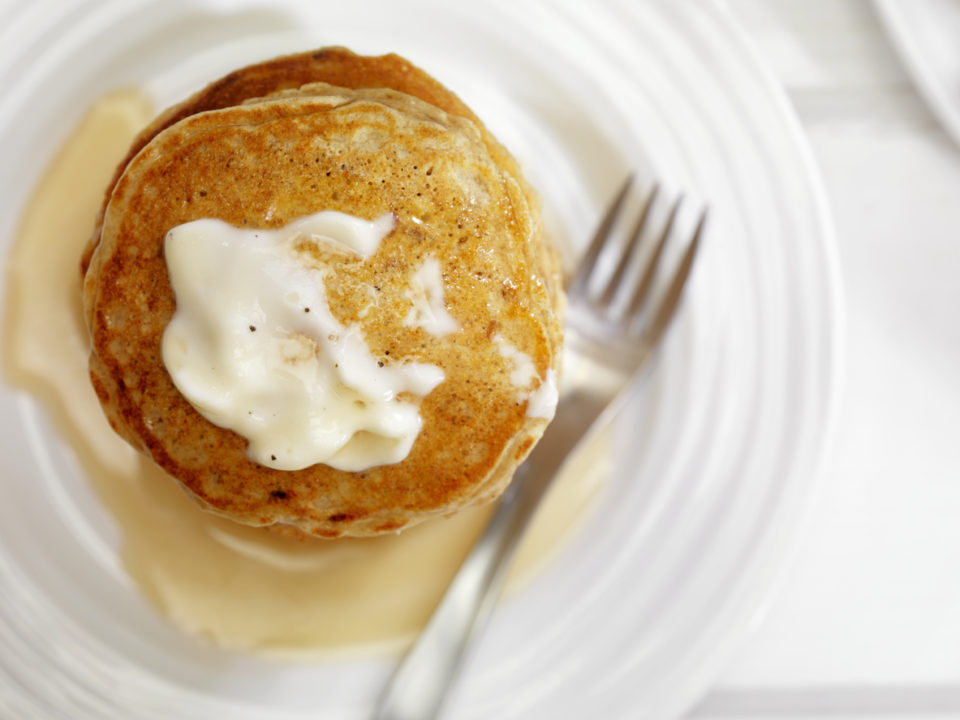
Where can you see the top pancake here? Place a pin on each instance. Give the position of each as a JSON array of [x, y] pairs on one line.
[[334, 66], [365, 136]]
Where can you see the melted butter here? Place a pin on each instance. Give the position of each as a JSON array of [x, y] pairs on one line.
[[240, 587]]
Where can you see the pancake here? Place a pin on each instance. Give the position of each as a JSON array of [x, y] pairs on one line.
[[332, 131]]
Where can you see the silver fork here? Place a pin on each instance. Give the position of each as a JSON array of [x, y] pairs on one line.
[[613, 333]]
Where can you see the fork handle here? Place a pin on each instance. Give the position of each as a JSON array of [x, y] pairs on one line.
[[424, 676], [422, 680]]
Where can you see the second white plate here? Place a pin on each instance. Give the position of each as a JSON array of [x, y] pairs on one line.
[[926, 34]]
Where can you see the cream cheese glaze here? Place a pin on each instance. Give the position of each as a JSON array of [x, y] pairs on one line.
[[254, 347], [428, 310], [542, 402], [541, 396], [523, 370]]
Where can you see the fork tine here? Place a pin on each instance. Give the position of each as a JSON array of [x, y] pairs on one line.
[[642, 290], [664, 311], [630, 250], [589, 260]]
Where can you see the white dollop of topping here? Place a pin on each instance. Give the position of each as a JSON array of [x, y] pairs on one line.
[[429, 309], [254, 347], [524, 371], [543, 400], [541, 397]]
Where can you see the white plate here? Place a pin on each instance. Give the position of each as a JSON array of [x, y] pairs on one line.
[[715, 463], [926, 34]]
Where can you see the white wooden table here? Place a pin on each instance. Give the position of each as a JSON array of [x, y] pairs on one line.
[[868, 623]]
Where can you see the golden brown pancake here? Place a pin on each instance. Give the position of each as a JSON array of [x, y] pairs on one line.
[[333, 131]]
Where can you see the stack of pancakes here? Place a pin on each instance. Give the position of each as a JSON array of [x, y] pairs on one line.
[[331, 130]]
